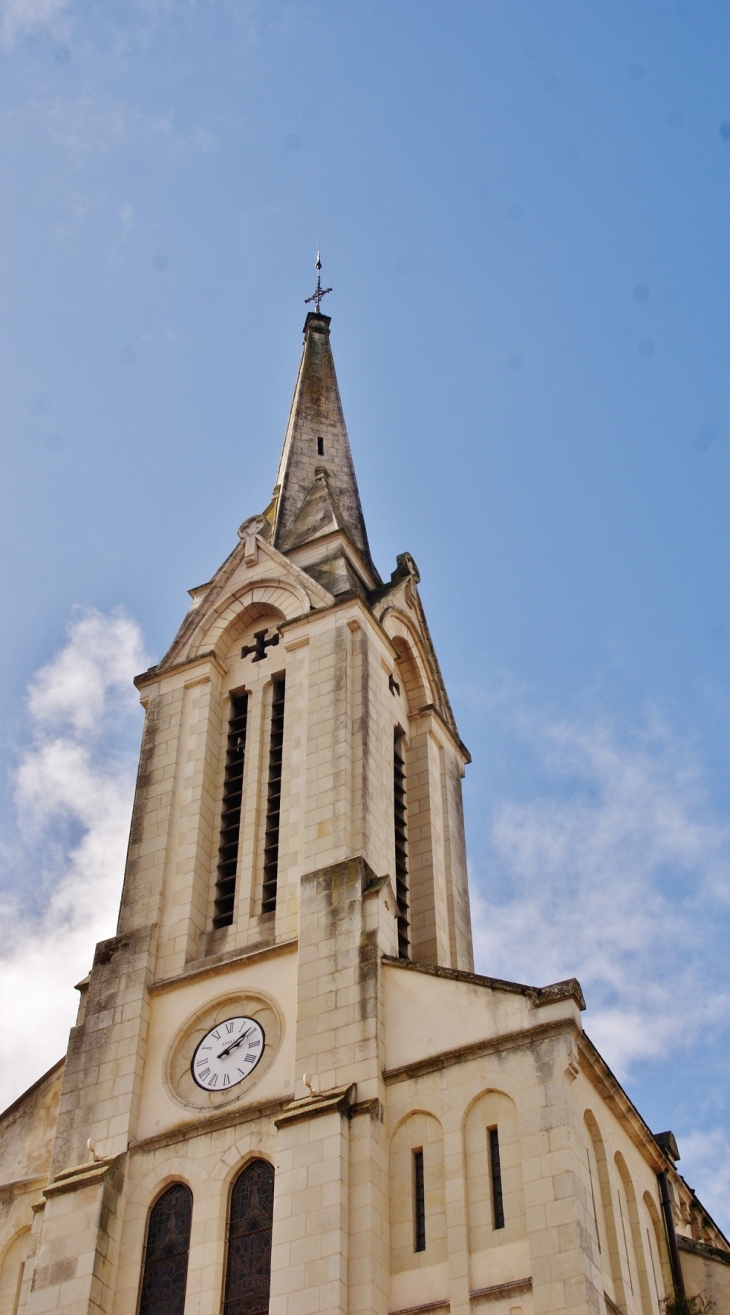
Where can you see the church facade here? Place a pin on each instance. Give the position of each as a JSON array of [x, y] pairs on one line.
[[287, 1090]]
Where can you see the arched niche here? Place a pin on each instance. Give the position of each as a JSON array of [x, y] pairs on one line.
[[491, 1125], [418, 1132], [613, 1274], [11, 1271], [234, 614], [642, 1297], [411, 663], [257, 616], [659, 1264]]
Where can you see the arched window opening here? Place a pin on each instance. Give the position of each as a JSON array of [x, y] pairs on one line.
[[494, 1187], [225, 886], [417, 1194], [613, 1276], [400, 828], [495, 1167], [273, 799], [11, 1273], [248, 1266], [165, 1268], [632, 1224]]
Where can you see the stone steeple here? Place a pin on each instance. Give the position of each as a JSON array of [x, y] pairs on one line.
[[404, 1136], [316, 489]]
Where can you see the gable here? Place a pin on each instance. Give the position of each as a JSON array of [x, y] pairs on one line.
[[28, 1127]]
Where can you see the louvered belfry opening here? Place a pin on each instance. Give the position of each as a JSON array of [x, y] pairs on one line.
[[401, 845], [273, 799], [225, 886]]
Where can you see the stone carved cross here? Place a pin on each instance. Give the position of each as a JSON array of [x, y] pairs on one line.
[[259, 648]]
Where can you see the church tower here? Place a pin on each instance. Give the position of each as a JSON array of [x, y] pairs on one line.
[[287, 1091]]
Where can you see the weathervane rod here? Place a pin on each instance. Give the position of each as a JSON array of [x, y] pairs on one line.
[[320, 292]]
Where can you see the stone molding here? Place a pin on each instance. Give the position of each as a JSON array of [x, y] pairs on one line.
[[570, 989], [340, 1100], [210, 1123], [498, 1290], [463, 1054], [702, 1249], [199, 969], [421, 1310], [83, 1175]]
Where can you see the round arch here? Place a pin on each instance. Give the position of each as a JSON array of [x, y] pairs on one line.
[[235, 612], [411, 660]]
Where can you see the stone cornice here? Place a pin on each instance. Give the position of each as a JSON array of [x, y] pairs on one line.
[[202, 968], [162, 673], [570, 989], [498, 1290], [83, 1175], [21, 1185], [476, 1049], [264, 1109], [702, 1249], [599, 1074], [311, 1107]]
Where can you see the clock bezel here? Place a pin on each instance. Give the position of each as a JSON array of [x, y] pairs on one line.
[[231, 1018]]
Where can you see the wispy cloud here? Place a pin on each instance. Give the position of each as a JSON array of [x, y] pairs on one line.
[[706, 1166], [18, 18], [73, 792], [619, 873]]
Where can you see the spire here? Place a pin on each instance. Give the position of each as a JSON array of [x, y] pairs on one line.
[[317, 489]]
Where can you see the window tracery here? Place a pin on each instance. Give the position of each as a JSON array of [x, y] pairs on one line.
[[165, 1268], [248, 1264]]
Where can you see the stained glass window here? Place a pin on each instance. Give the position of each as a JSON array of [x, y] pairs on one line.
[[166, 1253], [248, 1270]]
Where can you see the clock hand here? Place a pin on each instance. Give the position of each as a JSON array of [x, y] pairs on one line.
[[227, 1049]]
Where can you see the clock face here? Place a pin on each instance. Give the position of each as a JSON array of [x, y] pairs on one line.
[[227, 1054]]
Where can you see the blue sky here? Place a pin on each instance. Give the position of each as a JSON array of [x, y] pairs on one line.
[[523, 209]]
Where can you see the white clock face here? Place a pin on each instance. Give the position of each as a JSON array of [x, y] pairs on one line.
[[227, 1054]]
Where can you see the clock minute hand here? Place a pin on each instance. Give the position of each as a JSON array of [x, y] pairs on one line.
[[227, 1049]]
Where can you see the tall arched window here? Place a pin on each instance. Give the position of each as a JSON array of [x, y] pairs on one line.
[[248, 1266], [165, 1268]]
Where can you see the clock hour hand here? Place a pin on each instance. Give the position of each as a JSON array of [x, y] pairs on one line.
[[227, 1049]]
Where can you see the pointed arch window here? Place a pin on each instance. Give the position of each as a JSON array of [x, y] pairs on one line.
[[248, 1266], [165, 1267]]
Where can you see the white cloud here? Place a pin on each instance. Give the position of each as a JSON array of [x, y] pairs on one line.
[[20, 17], [617, 873], [705, 1164], [73, 791]]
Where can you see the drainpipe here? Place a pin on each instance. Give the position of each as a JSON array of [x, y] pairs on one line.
[[677, 1276]]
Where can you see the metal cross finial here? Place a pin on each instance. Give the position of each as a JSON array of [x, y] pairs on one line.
[[321, 292]]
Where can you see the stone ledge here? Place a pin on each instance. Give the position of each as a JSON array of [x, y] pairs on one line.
[[341, 1099], [511, 1288], [420, 1310], [463, 1054], [21, 1185], [83, 1175], [199, 969], [157, 672], [703, 1249], [209, 1123], [611, 1305], [570, 989]]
